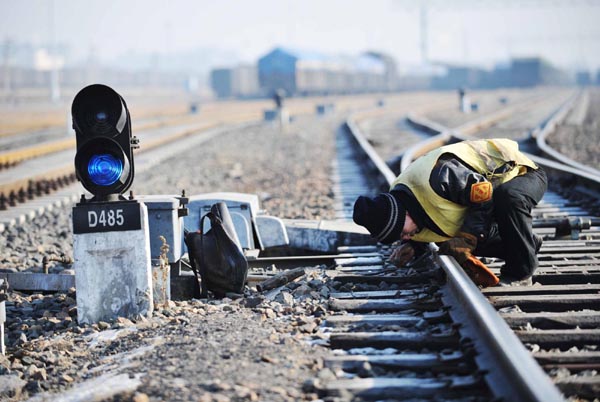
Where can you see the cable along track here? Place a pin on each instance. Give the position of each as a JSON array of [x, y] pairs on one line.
[[424, 332]]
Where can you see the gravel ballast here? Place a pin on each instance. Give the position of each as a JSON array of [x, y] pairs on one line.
[[581, 142], [244, 349], [251, 348]]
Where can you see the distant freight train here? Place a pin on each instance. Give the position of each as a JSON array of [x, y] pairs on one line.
[[311, 73], [307, 73], [302, 73]]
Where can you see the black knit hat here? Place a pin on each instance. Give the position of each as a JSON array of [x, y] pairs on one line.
[[383, 216]]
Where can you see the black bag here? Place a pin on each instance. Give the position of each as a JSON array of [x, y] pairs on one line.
[[216, 255]]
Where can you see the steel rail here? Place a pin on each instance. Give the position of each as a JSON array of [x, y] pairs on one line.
[[17, 187], [512, 372], [463, 132], [371, 155], [542, 132], [144, 161], [62, 162], [545, 156], [570, 223], [20, 154]]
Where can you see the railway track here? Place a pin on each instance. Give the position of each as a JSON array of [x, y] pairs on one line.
[[418, 333], [38, 163], [34, 170], [416, 301], [47, 181]]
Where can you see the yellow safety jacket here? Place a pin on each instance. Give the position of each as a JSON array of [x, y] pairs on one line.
[[486, 157]]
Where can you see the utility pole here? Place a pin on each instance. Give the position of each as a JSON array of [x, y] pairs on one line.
[[7, 51], [424, 32], [54, 78]]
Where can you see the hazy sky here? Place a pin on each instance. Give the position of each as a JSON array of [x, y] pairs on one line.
[[566, 32]]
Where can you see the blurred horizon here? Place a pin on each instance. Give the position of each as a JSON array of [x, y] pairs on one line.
[[194, 37]]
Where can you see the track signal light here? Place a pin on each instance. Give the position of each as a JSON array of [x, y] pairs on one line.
[[104, 159]]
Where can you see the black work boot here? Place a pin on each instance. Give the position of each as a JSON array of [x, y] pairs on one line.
[[538, 240], [509, 281], [506, 280]]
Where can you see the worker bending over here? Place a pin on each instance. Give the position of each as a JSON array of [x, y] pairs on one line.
[[472, 198]]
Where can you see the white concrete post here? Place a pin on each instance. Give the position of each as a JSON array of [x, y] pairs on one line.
[[112, 264]]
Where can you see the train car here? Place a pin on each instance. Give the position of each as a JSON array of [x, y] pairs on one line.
[[236, 82], [583, 78], [460, 76], [534, 71], [311, 73]]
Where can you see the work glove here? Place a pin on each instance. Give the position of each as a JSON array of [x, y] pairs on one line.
[[479, 273], [461, 248], [402, 255]]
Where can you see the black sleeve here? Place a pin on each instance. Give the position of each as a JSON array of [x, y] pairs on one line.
[[454, 181]]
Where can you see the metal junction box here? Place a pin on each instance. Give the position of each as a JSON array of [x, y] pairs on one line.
[[243, 209], [254, 229], [164, 220]]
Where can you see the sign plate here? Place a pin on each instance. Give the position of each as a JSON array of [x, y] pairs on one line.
[[106, 217]]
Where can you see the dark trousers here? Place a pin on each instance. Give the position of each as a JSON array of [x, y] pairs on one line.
[[511, 236]]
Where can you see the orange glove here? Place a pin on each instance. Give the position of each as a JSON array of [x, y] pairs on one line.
[[402, 255], [479, 273], [461, 248]]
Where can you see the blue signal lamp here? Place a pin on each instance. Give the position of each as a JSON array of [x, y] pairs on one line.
[[104, 169], [104, 158]]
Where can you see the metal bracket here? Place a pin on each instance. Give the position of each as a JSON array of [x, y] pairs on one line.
[[572, 227]]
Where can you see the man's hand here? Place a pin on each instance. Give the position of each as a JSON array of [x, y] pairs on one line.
[[479, 272], [460, 247], [402, 255]]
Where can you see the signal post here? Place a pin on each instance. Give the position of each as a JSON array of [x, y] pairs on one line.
[[111, 247]]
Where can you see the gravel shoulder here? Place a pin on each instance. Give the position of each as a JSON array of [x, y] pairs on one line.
[[581, 142], [247, 349]]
